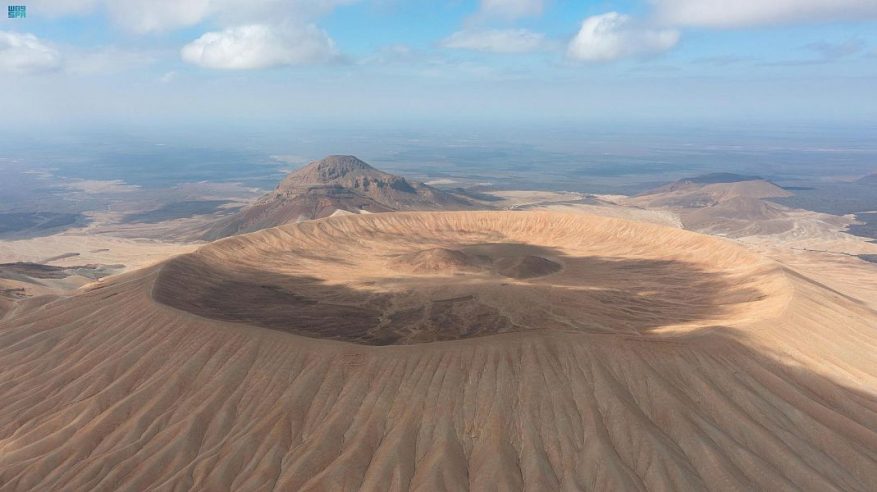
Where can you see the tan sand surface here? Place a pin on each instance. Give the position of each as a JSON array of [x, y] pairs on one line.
[[407, 351], [659, 217], [77, 249]]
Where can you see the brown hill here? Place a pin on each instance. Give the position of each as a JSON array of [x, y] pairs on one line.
[[300, 358], [723, 204], [711, 190], [338, 182]]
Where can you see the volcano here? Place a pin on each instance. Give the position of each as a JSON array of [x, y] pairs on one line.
[[445, 351]]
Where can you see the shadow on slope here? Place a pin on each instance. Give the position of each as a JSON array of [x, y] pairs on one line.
[[590, 294], [541, 413]]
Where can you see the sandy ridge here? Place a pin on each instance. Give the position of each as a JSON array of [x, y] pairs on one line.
[[779, 395]]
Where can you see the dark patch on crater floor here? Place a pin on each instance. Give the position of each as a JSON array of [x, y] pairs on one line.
[[522, 267], [513, 260], [622, 294], [309, 307]]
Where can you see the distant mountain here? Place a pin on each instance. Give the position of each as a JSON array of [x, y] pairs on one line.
[[711, 189], [714, 178], [336, 183], [722, 203], [705, 179]]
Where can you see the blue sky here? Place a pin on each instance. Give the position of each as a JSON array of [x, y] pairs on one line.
[[107, 62]]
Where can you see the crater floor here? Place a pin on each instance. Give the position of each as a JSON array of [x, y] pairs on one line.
[[419, 278]]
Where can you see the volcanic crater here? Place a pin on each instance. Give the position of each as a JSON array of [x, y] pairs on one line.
[[415, 278], [414, 351]]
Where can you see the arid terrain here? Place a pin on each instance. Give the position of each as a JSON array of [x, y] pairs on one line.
[[337, 183], [445, 351], [570, 341], [484, 245]]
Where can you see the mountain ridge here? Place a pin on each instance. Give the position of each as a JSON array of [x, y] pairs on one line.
[[337, 182]]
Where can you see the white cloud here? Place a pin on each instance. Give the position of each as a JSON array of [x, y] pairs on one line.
[[741, 13], [612, 36], [143, 16], [257, 46], [497, 40], [232, 12], [139, 16], [60, 7], [25, 53], [512, 9], [157, 15]]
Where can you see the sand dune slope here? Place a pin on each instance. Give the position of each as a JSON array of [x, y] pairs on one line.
[[336, 355]]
